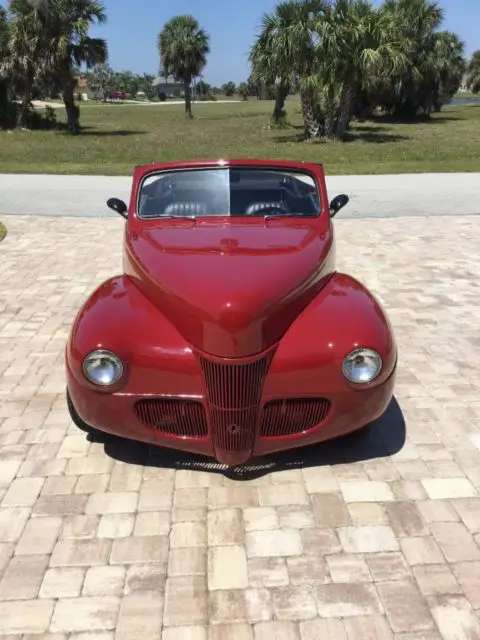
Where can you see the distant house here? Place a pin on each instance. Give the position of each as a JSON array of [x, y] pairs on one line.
[[81, 87], [464, 85], [169, 86]]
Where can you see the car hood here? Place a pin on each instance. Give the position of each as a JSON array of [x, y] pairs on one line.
[[231, 289]]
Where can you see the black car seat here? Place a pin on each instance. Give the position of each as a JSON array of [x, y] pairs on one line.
[[266, 207], [186, 208]]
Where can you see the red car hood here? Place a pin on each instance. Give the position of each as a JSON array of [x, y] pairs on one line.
[[231, 289]]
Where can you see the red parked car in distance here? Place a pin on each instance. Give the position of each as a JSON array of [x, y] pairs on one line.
[[229, 333], [116, 95]]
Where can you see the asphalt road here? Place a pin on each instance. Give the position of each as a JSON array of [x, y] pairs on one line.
[[370, 196]]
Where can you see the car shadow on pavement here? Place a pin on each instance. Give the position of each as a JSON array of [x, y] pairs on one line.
[[385, 437]]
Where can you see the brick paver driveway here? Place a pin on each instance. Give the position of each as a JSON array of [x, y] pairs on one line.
[[370, 537]]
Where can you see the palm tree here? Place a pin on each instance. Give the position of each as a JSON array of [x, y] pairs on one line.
[[473, 71], [286, 49], [433, 62], [3, 32], [102, 80], [270, 62], [64, 27], [183, 48], [356, 42], [25, 47], [449, 68], [418, 22], [4, 36], [243, 91]]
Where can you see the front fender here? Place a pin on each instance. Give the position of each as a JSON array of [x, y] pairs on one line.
[[342, 317], [119, 317]]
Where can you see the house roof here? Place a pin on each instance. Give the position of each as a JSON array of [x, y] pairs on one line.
[[161, 80], [82, 81]]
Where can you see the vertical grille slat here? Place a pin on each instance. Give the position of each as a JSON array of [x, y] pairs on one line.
[[175, 417], [234, 392], [292, 416]]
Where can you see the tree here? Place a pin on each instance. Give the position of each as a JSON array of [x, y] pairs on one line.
[[355, 44], [473, 70], [449, 68], [269, 59], [145, 84], [102, 80], [243, 90], [183, 48], [435, 62], [286, 48], [229, 88], [254, 86], [24, 48], [203, 88], [62, 26], [4, 37], [4, 32], [127, 82], [346, 57]]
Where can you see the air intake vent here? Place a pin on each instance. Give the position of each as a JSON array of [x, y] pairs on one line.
[[292, 416], [174, 417]]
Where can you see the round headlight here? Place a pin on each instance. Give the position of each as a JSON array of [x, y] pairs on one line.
[[102, 368], [362, 366]]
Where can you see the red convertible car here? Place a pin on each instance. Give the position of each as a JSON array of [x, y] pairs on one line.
[[230, 333]]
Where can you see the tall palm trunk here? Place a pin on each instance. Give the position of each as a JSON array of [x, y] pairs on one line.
[[188, 99], [72, 110], [346, 109], [330, 113], [313, 128], [282, 92], [25, 107], [4, 104], [26, 96], [68, 94]]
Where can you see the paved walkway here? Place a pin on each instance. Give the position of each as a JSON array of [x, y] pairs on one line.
[[134, 103], [363, 539], [371, 196]]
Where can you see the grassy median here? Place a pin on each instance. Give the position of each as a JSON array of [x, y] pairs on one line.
[[117, 137]]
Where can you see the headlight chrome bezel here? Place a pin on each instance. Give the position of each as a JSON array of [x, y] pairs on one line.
[[365, 352], [114, 360]]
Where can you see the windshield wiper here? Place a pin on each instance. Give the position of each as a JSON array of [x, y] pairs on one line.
[[286, 215], [163, 216]]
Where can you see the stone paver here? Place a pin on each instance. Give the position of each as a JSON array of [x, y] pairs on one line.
[[360, 539]]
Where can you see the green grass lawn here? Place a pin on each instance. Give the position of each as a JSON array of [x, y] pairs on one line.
[[116, 137], [467, 94]]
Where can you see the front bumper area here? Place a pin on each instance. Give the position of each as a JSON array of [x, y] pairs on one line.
[[119, 414]]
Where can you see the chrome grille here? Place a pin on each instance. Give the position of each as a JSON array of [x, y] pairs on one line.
[[234, 392]]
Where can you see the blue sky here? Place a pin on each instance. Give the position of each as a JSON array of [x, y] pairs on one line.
[[132, 29]]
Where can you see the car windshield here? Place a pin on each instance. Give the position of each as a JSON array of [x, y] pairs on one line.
[[229, 192]]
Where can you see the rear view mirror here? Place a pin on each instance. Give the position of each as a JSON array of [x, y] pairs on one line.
[[338, 203], [118, 206]]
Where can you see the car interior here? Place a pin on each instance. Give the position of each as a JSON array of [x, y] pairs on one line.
[[243, 193]]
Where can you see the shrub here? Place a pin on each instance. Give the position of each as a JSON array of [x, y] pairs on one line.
[[208, 97]]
